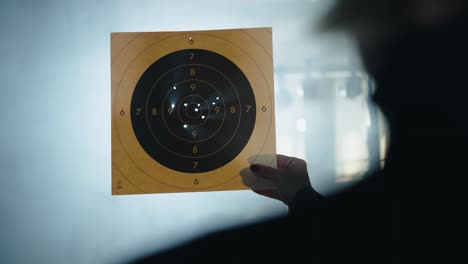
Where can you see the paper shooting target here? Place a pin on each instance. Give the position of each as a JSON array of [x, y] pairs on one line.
[[190, 110]]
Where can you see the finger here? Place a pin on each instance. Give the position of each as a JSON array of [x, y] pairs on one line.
[[265, 171], [288, 162], [273, 194], [282, 160]]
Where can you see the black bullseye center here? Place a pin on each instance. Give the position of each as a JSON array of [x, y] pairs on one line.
[[193, 110]]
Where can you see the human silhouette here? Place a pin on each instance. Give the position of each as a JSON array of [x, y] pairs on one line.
[[417, 53]]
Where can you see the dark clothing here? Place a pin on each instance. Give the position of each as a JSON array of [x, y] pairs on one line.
[[356, 224]]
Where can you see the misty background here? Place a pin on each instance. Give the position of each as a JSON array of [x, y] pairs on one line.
[[55, 159]]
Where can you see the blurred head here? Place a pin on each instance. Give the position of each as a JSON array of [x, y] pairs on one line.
[[412, 48], [370, 18]]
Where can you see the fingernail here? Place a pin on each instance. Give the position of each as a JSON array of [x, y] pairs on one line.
[[254, 168]]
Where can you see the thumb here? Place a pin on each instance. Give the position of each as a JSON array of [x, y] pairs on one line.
[[265, 171]]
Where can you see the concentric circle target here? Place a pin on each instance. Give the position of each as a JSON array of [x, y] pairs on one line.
[[193, 110], [190, 110]]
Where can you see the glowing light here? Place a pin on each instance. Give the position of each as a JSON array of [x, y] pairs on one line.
[[185, 104], [214, 103], [301, 125], [202, 117], [175, 88], [196, 109], [217, 98], [198, 104], [172, 105], [300, 92], [343, 92], [185, 126]]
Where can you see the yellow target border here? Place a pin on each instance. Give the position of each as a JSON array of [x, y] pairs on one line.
[[133, 170]]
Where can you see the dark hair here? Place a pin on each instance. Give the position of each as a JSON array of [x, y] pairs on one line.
[[377, 18]]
